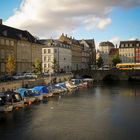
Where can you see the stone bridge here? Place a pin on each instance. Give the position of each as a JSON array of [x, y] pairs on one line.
[[109, 74]]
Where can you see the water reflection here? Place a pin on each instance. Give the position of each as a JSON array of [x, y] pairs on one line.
[[104, 112]]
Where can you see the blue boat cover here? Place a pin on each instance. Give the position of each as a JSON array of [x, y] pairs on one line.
[[22, 91], [77, 81], [61, 85], [41, 89]]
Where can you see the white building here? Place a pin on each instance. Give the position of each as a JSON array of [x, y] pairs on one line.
[[104, 49], [58, 54]]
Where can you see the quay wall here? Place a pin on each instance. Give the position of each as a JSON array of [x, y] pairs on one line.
[[29, 83]]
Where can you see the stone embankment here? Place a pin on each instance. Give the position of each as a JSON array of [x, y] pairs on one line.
[[29, 83]]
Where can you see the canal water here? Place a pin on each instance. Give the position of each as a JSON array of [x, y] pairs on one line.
[[104, 112]]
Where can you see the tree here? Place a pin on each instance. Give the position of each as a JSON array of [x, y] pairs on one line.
[[116, 60], [10, 65], [55, 66], [99, 62], [37, 67]]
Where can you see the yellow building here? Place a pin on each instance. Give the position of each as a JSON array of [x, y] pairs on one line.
[[21, 45]]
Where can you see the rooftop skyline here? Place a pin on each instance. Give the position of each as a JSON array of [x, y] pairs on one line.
[[103, 20]]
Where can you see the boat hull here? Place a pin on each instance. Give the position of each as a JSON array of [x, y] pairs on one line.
[[6, 108]]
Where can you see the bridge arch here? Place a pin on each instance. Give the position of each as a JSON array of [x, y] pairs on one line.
[[111, 77], [86, 76]]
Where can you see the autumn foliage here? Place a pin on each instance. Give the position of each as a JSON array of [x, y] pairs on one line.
[[10, 65]]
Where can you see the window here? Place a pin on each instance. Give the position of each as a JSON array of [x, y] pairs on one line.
[[2, 67], [126, 45], [44, 65], [7, 42], [55, 50], [49, 58], [12, 43], [2, 41], [44, 58], [49, 51], [2, 54], [44, 51], [48, 65]]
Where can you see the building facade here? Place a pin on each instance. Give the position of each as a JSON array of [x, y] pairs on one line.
[[58, 54], [20, 44], [76, 50], [129, 51], [104, 48], [88, 53], [114, 52]]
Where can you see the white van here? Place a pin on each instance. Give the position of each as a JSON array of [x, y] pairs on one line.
[[105, 67]]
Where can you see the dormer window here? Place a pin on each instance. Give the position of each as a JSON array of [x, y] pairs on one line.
[[5, 33], [35, 40], [20, 35]]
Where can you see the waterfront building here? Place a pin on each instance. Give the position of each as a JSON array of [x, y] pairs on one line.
[[76, 51], [20, 44], [129, 51], [104, 48], [56, 53], [88, 53]]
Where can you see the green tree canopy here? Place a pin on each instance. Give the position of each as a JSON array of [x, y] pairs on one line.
[[10, 65], [100, 62], [55, 65], [116, 60], [37, 67]]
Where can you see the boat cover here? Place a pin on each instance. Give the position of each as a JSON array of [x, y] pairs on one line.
[[41, 89], [22, 91], [61, 85]]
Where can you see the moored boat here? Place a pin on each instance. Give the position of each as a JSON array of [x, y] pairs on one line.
[[37, 95], [79, 82], [89, 81], [71, 86], [4, 106], [62, 86], [14, 98], [27, 97], [43, 90]]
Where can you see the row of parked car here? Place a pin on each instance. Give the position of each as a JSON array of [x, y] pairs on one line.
[[18, 76], [24, 75]]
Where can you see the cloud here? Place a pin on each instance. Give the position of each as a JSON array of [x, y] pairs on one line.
[[103, 23], [116, 40], [94, 22], [133, 38], [46, 18]]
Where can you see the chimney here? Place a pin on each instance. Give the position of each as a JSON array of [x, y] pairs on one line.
[[0, 21]]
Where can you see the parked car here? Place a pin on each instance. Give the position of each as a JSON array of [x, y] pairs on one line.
[[105, 67], [46, 74], [19, 76], [30, 75], [5, 78]]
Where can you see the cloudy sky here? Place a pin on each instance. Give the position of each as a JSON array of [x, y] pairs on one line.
[[102, 20]]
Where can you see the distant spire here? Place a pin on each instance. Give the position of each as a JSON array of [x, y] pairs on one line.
[[0, 21]]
